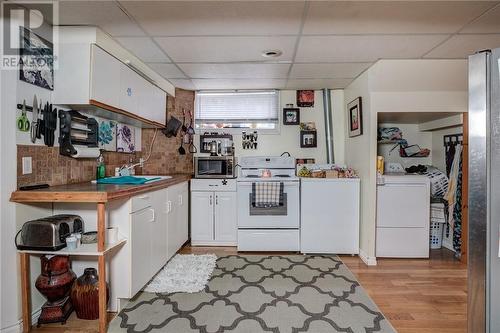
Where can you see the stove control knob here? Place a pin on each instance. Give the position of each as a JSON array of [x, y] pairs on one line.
[[224, 182]]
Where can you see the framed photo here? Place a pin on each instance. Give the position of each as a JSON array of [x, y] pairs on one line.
[[305, 98], [291, 116], [308, 139], [355, 118], [36, 64]]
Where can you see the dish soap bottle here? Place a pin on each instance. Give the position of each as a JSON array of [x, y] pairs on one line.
[[101, 168]]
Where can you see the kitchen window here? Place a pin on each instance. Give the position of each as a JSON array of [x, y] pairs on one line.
[[250, 109]]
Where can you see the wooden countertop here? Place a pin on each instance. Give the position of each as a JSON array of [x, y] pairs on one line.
[[90, 192]]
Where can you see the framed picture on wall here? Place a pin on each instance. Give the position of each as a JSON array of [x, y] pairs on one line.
[[308, 139], [291, 116], [355, 118], [305, 98]]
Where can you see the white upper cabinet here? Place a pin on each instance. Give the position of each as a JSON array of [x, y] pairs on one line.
[[104, 71], [88, 75]]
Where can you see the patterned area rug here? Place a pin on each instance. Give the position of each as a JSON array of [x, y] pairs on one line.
[[252, 294]]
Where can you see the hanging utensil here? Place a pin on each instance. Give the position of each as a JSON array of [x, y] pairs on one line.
[[23, 123], [192, 148], [181, 149], [190, 129], [183, 128], [34, 120]]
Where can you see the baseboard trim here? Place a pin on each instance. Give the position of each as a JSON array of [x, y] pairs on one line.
[[18, 327], [369, 261]]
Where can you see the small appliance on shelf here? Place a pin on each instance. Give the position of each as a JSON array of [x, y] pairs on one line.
[[217, 144]]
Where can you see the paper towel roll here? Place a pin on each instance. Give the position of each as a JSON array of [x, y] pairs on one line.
[[86, 152]]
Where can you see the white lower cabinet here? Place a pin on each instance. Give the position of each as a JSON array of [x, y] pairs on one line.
[[156, 226], [177, 220], [213, 212]]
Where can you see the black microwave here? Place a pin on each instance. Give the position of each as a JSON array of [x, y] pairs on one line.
[[214, 167]]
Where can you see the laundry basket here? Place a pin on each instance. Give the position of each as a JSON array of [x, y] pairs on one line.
[[436, 235]]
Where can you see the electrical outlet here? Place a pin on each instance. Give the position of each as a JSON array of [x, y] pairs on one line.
[[27, 166]]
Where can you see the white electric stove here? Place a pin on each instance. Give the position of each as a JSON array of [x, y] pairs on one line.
[[272, 228]]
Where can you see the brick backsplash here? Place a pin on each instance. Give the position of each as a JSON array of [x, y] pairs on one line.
[[54, 169]]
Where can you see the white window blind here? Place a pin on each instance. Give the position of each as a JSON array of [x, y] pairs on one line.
[[237, 109]]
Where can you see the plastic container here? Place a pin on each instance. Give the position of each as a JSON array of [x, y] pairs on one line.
[[436, 235], [71, 243]]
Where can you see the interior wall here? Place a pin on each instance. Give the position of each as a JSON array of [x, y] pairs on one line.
[[165, 158], [358, 155], [413, 135], [288, 137]]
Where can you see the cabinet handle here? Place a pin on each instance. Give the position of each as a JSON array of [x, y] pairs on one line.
[[154, 215], [180, 199], [212, 185], [216, 199], [169, 206], [210, 200], [144, 197]]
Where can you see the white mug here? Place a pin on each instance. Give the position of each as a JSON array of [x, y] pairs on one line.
[[111, 235]]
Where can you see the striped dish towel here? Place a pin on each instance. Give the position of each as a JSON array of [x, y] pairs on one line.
[[267, 194]]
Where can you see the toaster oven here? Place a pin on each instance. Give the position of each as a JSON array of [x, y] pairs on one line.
[[49, 233]]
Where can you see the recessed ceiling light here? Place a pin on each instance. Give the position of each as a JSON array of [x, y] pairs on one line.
[[272, 53]]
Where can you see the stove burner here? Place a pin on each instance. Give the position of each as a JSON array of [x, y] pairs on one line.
[[282, 176], [253, 176]]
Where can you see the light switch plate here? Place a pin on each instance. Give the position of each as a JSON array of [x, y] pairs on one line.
[[27, 166]]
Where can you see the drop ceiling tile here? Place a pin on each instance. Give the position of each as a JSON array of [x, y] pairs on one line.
[[377, 17], [239, 83], [183, 84], [364, 48], [235, 71], [317, 83], [461, 46], [104, 14], [225, 49], [168, 71], [328, 71], [488, 23], [143, 48], [181, 18]]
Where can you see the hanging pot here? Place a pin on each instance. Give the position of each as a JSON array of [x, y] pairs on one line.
[[85, 295]]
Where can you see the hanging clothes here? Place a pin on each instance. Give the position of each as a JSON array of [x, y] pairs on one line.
[[454, 198], [450, 155]]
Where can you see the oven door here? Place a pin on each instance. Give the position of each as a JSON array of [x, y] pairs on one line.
[[213, 167], [285, 216]]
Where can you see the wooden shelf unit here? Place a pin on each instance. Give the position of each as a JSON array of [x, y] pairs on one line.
[[99, 250]]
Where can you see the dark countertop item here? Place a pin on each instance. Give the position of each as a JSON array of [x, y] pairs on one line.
[[90, 192]]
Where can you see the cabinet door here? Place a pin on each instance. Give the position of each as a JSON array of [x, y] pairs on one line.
[[202, 217], [183, 214], [140, 241], [130, 89], [225, 217], [104, 77], [158, 231], [159, 105]]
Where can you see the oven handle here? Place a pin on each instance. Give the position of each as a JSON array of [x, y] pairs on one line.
[[289, 184]]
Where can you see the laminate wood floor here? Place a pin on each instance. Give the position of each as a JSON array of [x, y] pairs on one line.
[[416, 295]]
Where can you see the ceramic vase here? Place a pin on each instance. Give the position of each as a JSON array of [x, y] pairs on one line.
[[85, 295]]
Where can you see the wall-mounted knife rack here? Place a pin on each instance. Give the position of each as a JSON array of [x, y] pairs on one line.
[[76, 129]]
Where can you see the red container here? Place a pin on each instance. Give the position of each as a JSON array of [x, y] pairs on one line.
[[85, 295], [56, 279]]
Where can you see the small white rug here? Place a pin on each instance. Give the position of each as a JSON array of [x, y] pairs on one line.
[[187, 273]]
